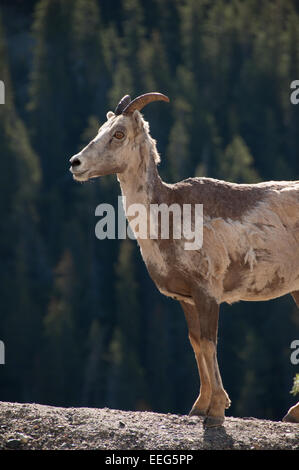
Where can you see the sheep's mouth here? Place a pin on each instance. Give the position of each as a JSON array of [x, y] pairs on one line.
[[86, 175], [80, 175]]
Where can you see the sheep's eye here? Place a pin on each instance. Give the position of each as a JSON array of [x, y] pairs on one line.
[[119, 135]]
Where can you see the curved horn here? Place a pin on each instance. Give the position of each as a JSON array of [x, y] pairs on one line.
[[122, 104], [142, 100]]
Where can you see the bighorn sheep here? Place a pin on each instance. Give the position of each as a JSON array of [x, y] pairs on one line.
[[250, 245]]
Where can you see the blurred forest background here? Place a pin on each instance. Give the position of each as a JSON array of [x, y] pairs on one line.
[[82, 322]]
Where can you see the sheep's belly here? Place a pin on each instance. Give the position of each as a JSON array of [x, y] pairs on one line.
[[263, 284]]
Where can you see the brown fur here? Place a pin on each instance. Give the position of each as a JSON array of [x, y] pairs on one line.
[[292, 415], [296, 297], [235, 275]]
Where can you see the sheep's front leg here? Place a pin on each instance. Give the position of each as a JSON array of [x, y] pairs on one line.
[[202, 404], [208, 311]]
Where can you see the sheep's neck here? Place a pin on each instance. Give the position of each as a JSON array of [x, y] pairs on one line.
[[141, 182]]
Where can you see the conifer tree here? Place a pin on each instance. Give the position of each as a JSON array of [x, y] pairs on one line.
[[236, 164], [23, 266], [88, 61], [62, 358], [128, 336], [52, 100]]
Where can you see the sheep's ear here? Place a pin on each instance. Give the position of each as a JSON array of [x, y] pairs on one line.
[[110, 114], [137, 119]]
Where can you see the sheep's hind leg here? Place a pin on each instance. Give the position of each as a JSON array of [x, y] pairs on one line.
[[292, 415], [295, 296]]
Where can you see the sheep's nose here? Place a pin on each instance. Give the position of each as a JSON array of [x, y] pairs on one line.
[[75, 161]]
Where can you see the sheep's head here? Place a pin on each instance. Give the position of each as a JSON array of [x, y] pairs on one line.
[[109, 152]]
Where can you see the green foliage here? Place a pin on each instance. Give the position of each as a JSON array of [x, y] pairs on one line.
[[295, 388], [236, 163], [82, 321]]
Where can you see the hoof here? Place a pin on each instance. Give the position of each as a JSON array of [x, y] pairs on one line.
[[228, 403], [197, 412], [213, 421]]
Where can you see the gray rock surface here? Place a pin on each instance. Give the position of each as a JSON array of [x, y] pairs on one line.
[[40, 427]]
